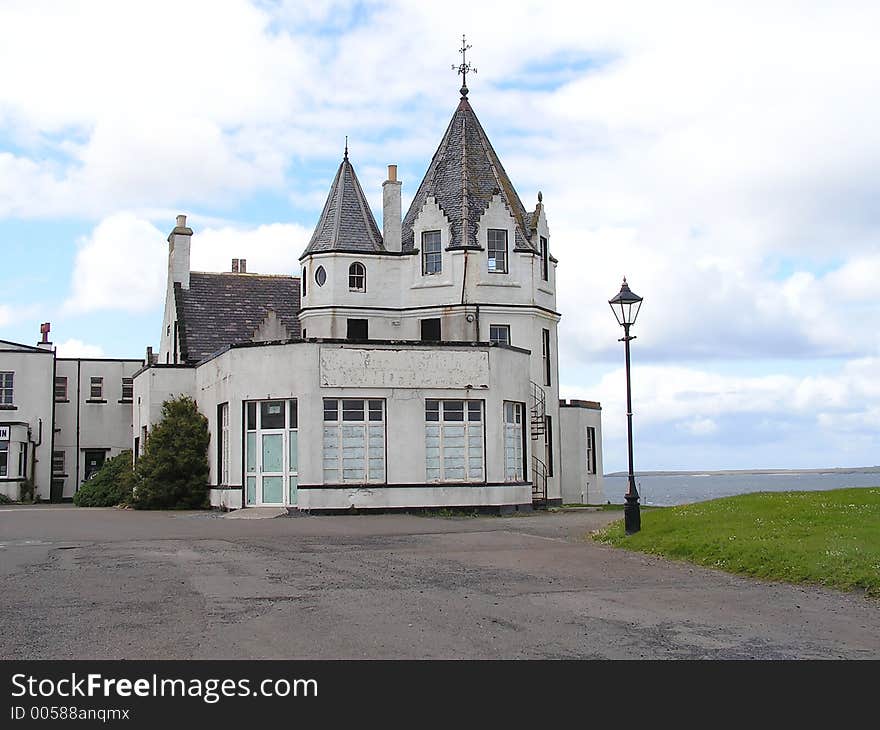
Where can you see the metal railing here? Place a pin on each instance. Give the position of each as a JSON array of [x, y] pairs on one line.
[[538, 411], [539, 480]]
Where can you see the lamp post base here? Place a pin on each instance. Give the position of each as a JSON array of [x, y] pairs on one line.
[[632, 517]]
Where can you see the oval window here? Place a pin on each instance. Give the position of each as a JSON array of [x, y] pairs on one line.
[[320, 276]]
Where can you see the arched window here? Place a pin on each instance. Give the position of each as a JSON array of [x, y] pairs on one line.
[[357, 277], [320, 276]]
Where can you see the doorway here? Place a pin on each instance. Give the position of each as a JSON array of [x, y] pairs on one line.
[[94, 460], [271, 460]]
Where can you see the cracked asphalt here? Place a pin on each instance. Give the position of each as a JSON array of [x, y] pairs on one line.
[[118, 584]]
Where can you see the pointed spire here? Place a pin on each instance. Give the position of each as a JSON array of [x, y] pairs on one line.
[[463, 177], [346, 223]]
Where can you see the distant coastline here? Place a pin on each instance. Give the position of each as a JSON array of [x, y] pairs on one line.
[[743, 472]]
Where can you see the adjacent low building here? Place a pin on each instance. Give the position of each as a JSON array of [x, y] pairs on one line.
[[60, 418]]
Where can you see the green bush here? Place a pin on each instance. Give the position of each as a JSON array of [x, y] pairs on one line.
[[4, 499], [111, 485], [173, 471]]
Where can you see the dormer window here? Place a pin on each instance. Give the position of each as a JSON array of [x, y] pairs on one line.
[[497, 251], [357, 277], [432, 257]]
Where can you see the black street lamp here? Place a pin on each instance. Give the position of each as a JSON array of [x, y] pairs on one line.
[[626, 307]]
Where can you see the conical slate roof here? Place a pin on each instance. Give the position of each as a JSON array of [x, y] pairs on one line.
[[463, 176], [346, 223]]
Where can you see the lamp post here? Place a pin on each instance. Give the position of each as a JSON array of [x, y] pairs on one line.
[[626, 307]]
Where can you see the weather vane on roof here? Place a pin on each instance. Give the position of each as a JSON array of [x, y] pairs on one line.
[[463, 68]]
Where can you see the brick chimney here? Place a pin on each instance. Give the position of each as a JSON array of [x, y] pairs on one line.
[[45, 343], [234, 266], [242, 266]]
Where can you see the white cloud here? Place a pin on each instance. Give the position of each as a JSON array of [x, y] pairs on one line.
[[269, 249], [820, 418], [120, 266], [78, 348], [700, 427]]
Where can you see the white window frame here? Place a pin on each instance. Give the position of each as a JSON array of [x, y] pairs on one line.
[[426, 253], [7, 388], [591, 449], [546, 358], [545, 259], [492, 246], [353, 450], [357, 271], [96, 381], [443, 440], [224, 444], [514, 439], [60, 379], [129, 382], [503, 327], [253, 467]]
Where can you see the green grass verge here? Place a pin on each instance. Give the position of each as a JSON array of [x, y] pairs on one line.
[[829, 538]]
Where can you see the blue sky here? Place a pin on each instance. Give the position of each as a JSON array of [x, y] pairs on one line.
[[723, 158]]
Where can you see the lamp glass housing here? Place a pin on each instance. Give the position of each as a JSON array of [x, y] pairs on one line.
[[626, 305]]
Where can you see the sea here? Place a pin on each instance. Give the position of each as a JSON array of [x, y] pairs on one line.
[[664, 490]]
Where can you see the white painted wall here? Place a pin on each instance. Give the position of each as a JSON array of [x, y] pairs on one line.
[[152, 387], [29, 417], [578, 485], [274, 371], [81, 425]]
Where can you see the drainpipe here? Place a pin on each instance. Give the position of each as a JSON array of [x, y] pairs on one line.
[[34, 448], [78, 398]]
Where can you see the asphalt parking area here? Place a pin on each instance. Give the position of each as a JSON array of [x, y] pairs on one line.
[[119, 584]]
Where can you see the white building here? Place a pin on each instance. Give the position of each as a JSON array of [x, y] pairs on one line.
[[60, 418], [417, 366]]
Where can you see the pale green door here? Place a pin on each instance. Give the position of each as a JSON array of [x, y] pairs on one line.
[[272, 468]]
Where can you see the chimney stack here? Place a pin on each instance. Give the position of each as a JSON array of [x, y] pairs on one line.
[[179, 241], [234, 266], [391, 223], [242, 266], [45, 343]]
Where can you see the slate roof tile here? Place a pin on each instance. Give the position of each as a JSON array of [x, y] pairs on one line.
[[346, 223], [224, 309]]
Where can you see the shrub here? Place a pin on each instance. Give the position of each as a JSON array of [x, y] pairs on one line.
[[4, 499], [173, 471], [111, 485]]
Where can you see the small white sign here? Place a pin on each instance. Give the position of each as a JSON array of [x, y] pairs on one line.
[[4, 433]]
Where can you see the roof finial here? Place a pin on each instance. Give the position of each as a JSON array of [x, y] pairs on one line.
[[540, 197], [463, 68], [345, 157]]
